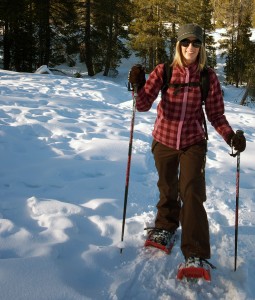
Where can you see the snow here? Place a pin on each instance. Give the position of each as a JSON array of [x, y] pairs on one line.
[[43, 70], [64, 148]]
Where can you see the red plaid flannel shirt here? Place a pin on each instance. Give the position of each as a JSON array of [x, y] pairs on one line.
[[179, 121]]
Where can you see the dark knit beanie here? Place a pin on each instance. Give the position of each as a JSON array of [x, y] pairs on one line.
[[190, 30]]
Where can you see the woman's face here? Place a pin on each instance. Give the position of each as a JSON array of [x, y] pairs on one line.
[[190, 49]]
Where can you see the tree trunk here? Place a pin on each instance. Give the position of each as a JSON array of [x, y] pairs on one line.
[[108, 58], [88, 52], [243, 101], [7, 47], [44, 32]]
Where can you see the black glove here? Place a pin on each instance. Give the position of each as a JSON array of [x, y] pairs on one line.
[[238, 141], [136, 76]]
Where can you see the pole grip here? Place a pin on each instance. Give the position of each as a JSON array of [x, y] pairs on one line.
[[239, 133]]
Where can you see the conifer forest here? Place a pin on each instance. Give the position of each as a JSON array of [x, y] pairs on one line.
[[103, 32]]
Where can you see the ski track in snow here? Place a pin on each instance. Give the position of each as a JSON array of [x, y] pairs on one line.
[[64, 144]]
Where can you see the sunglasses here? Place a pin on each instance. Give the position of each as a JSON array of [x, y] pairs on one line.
[[195, 44]]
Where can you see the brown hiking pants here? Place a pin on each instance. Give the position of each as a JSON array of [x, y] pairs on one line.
[[182, 192]]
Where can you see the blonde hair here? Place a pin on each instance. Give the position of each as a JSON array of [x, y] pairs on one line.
[[179, 60]]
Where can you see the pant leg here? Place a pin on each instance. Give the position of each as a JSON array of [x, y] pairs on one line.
[[193, 217], [167, 164]]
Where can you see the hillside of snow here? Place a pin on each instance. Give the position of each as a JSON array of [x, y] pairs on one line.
[[64, 148]]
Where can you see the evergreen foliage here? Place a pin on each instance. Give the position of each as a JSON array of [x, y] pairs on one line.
[[151, 31], [111, 18], [236, 44]]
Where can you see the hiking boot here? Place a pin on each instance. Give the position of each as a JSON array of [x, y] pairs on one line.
[[160, 236]]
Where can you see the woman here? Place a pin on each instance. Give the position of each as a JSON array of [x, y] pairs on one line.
[[179, 145]]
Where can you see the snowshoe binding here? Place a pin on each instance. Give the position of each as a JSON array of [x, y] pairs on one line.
[[195, 268], [160, 238]]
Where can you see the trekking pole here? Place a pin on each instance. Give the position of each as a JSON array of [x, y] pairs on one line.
[[237, 204], [134, 93], [239, 132]]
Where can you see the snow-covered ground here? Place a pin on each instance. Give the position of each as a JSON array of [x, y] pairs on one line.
[[64, 148]]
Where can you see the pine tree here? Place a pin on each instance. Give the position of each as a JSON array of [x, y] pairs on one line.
[[18, 38], [111, 18], [236, 41], [64, 31], [150, 31], [104, 29], [34, 32]]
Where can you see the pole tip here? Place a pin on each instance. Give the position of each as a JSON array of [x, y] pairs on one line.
[[121, 246]]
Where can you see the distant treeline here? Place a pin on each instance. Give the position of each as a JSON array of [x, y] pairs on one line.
[[44, 32]]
